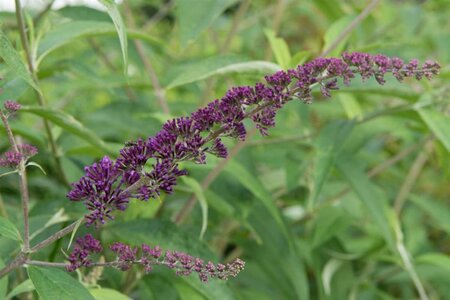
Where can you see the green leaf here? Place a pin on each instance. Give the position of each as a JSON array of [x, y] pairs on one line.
[[333, 32], [26, 286], [9, 173], [114, 13], [275, 259], [299, 58], [329, 144], [351, 106], [330, 221], [436, 259], [219, 204], [32, 163], [214, 289], [14, 88], [367, 192], [196, 16], [3, 282], [14, 61], [438, 123], [55, 284], [9, 230], [67, 32], [280, 49], [69, 123], [328, 272], [198, 191], [75, 230], [252, 183], [218, 65], [108, 294], [186, 292], [439, 212]]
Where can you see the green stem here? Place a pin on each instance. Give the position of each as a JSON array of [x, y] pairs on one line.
[[40, 96], [23, 184]]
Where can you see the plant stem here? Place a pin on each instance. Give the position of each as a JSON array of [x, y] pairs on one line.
[[23, 184], [18, 261], [9, 133], [407, 262], [159, 91], [56, 236], [412, 176], [41, 99], [94, 264], [350, 27], [25, 202]]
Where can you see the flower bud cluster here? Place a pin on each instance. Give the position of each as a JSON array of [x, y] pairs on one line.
[[147, 257], [11, 159], [11, 106], [82, 250]]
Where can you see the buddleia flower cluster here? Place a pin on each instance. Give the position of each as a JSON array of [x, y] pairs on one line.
[[147, 257], [12, 158], [109, 185]]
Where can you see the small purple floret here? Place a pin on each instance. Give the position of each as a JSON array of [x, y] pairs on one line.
[[12, 159], [11, 106]]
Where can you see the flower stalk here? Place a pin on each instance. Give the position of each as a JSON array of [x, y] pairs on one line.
[[18, 153]]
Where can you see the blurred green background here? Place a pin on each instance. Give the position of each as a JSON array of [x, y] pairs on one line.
[[348, 198]]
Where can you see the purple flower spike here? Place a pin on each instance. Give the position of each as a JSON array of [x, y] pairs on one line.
[[107, 186]]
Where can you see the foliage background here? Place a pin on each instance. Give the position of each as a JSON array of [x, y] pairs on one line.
[[332, 205]]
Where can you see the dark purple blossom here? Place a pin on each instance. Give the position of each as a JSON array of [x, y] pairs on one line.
[[134, 156], [218, 149], [84, 247], [101, 190], [107, 186]]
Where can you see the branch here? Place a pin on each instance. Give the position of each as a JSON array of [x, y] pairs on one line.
[[63, 232]]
